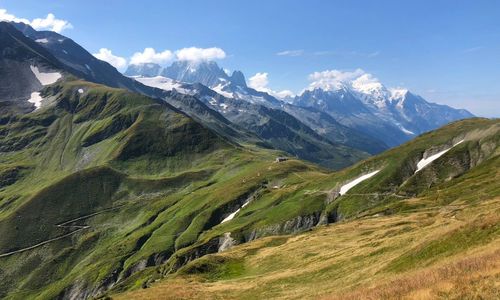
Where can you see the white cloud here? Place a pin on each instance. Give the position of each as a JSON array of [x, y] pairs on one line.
[[48, 23], [260, 81], [5, 16], [200, 54], [51, 23], [283, 94], [358, 80], [290, 53], [366, 83], [149, 55], [333, 79], [116, 61]]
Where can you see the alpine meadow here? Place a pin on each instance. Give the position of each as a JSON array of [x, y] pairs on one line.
[[249, 150]]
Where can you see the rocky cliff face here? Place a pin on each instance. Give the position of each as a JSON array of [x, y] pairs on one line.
[[145, 69]]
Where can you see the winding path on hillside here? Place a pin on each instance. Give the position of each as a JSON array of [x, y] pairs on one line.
[[61, 225], [380, 194]]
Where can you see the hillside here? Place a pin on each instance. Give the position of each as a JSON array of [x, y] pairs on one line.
[[438, 239], [252, 124], [197, 185], [103, 190], [449, 252], [101, 183]]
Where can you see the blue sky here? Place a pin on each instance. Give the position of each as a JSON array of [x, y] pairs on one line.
[[446, 51]]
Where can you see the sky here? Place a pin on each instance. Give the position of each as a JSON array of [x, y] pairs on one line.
[[446, 51]]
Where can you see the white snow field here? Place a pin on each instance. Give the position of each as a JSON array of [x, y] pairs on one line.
[[406, 130], [45, 78], [36, 99], [231, 216], [356, 181], [219, 90], [426, 161], [161, 82]]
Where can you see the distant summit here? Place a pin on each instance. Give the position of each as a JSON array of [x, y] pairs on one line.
[[392, 115], [145, 69], [205, 72], [359, 101]]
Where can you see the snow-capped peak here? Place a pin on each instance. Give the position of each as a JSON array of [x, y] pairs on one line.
[[367, 84], [357, 81], [362, 85], [398, 93], [205, 72]]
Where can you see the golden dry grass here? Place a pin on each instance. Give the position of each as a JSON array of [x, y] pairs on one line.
[[355, 259], [471, 277]]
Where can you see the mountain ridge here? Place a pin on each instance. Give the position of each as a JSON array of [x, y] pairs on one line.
[[363, 103], [109, 189], [77, 59]]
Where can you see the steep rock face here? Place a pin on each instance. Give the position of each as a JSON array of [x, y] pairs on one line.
[[340, 102], [298, 224], [206, 73], [326, 125], [79, 62], [419, 115], [18, 57], [226, 241], [459, 159], [238, 78]]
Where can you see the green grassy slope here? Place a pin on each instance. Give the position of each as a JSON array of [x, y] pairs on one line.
[[473, 163], [104, 183], [106, 190], [431, 235]]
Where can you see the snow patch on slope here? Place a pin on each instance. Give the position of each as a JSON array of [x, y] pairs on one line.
[[36, 99], [219, 90], [231, 216], [426, 161], [45, 78], [398, 94], [43, 41], [406, 130], [346, 187], [161, 82]]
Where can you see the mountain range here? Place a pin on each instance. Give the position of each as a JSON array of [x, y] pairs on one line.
[[318, 125], [391, 116], [184, 182]]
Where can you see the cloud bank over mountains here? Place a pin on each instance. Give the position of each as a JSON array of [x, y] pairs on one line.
[[151, 55], [260, 82], [50, 22]]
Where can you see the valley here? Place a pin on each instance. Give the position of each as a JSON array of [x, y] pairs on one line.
[[189, 181]]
